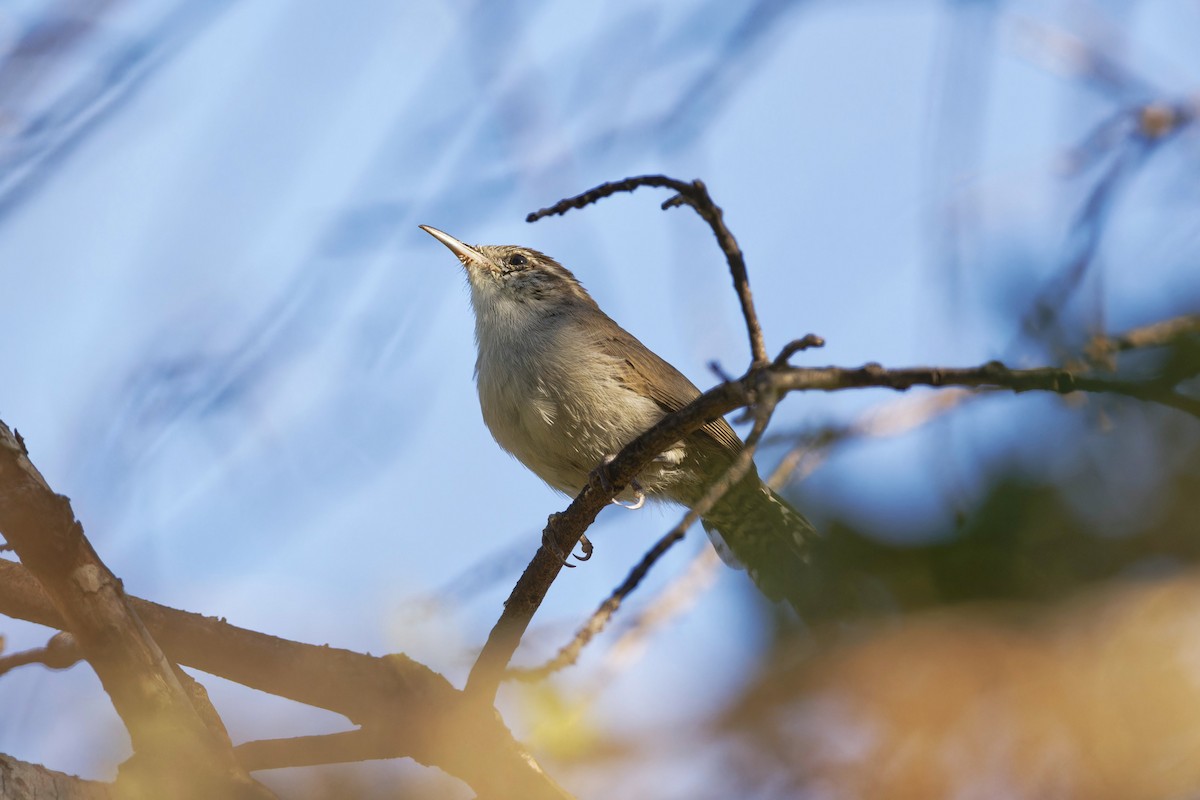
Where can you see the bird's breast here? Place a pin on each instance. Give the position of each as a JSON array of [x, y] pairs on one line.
[[561, 410]]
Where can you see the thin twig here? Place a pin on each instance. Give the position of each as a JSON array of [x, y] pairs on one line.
[[694, 194], [992, 375], [806, 342]]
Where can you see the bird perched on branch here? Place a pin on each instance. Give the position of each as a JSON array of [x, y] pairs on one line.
[[564, 388]]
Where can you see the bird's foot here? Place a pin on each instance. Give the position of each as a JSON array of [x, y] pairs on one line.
[[639, 494]]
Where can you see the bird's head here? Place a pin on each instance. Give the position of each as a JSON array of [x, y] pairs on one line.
[[514, 281]]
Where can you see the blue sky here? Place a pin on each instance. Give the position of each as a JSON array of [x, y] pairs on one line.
[[251, 372]]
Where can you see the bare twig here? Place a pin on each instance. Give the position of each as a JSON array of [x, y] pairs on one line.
[[992, 375], [806, 342], [1142, 122], [694, 194]]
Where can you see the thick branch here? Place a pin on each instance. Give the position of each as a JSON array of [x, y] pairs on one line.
[[426, 718], [177, 753], [20, 780]]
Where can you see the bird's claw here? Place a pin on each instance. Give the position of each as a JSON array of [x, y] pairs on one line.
[[637, 493], [552, 547]]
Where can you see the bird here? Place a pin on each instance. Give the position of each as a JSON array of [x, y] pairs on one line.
[[563, 388]]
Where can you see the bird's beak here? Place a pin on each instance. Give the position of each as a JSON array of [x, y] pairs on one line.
[[465, 253]]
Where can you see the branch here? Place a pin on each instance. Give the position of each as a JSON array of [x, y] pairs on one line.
[[387, 740], [60, 652], [992, 375], [178, 754], [741, 465], [1158, 334], [694, 194], [426, 718], [310, 751], [565, 529], [20, 780]]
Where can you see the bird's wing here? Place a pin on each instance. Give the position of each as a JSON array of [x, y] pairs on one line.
[[653, 377]]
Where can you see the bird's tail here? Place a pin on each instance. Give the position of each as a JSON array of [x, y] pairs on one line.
[[755, 528]]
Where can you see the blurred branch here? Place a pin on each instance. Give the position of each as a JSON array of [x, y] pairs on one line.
[[1066, 54], [177, 753], [388, 739], [1137, 132], [1102, 349], [20, 780], [1145, 120], [675, 599], [60, 652], [811, 446], [68, 71], [308, 751]]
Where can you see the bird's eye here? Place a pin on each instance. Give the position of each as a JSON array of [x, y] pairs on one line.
[[517, 260]]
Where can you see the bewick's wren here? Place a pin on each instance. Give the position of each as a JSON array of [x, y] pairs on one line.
[[563, 388]]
